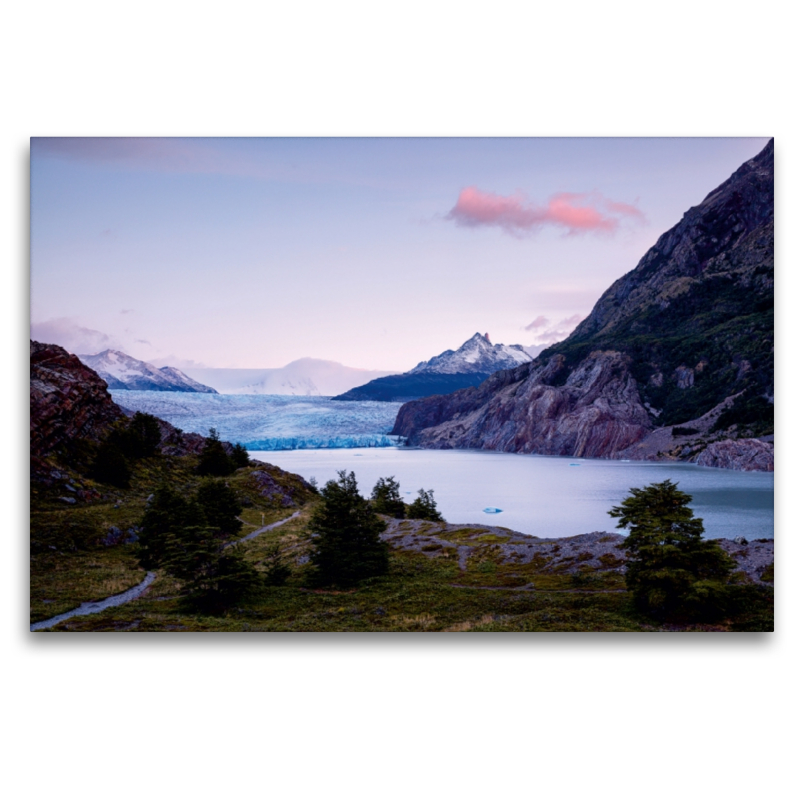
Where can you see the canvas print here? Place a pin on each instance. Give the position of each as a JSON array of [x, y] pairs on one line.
[[402, 384]]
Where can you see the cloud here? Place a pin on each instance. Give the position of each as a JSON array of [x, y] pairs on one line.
[[539, 322], [573, 212], [547, 333], [72, 336]]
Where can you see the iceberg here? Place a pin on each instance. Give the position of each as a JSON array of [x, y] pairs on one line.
[[492, 510]]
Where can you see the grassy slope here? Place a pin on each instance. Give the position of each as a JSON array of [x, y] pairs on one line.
[[423, 592]]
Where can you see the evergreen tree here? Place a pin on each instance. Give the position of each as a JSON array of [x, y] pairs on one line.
[[346, 531], [221, 507], [141, 437], [424, 507], [276, 570], [213, 458], [110, 466], [386, 498], [672, 572], [239, 456], [213, 574], [165, 516]]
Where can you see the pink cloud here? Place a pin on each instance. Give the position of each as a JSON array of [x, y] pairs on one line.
[[574, 212], [539, 322]]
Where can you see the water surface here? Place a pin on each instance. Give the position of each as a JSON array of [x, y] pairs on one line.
[[544, 495]]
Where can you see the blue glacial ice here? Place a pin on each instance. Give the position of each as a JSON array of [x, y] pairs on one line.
[[271, 422]]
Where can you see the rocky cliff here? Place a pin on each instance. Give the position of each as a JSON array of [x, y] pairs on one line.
[[689, 330], [68, 400]]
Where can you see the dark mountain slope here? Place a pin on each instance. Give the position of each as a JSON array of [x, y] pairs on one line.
[[690, 326]]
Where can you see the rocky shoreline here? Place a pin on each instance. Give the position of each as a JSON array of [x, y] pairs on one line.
[[597, 551]]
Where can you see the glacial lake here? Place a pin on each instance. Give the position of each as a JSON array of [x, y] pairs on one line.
[[543, 496]]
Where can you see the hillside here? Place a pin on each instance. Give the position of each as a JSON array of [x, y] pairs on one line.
[[680, 349]]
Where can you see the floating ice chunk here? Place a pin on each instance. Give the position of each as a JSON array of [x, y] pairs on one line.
[[492, 510]]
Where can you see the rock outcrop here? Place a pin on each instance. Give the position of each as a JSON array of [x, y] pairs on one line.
[[68, 400], [687, 332], [746, 455], [596, 413]]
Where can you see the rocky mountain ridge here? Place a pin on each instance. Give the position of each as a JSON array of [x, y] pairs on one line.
[[477, 354], [687, 332], [451, 370], [121, 371]]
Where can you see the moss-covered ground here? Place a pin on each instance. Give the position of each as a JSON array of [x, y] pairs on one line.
[[426, 589]]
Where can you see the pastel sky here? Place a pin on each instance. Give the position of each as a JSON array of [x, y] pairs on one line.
[[376, 253]]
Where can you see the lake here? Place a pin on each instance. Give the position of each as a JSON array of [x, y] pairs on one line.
[[543, 496]]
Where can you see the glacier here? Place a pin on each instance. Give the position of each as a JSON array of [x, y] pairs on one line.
[[271, 422]]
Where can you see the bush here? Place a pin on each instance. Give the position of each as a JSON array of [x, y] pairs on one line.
[[346, 531], [672, 572]]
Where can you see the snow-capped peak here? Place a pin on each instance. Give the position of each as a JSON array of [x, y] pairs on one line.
[[477, 354], [121, 371]]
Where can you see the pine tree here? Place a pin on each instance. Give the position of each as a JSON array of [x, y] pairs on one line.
[[213, 574], [346, 532], [110, 466], [165, 516], [386, 498], [221, 507], [213, 458], [672, 572], [424, 507], [240, 456]]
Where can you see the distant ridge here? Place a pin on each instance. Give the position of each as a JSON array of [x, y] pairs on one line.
[[451, 370], [121, 371]]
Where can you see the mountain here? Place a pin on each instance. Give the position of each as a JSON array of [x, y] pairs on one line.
[[476, 355], [121, 371], [451, 370], [305, 376], [674, 362]]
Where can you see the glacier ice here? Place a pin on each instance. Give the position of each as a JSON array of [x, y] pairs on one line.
[[271, 422]]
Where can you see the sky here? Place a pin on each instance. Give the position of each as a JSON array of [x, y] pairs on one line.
[[377, 253]]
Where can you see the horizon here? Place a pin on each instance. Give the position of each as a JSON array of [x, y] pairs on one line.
[[376, 254]]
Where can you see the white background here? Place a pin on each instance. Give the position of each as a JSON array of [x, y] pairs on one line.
[[393, 716]]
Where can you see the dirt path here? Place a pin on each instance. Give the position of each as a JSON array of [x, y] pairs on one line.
[[100, 605], [136, 591], [267, 528]]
